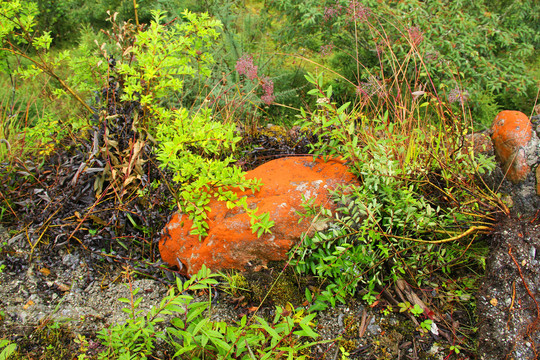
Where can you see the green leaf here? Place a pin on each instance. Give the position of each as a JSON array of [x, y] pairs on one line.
[[221, 344], [320, 80], [309, 296], [7, 351], [196, 309], [199, 326], [309, 77], [343, 107], [137, 302], [306, 327], [268, 328]]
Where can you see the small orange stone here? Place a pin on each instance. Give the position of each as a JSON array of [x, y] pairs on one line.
[[512, 131], [230, 243], [479, 143]]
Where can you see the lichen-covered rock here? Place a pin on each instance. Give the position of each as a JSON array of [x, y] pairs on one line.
[[230, 243], [517, 148], [512, 131]]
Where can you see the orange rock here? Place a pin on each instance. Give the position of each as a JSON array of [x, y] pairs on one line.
[[230, 243], [512, 130]]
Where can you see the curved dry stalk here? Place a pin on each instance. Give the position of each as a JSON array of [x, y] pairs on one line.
[[471, 230]]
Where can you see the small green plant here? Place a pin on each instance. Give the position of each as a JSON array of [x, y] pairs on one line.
[[455, 348], [138, 334], [416, 310], [406, 306], [82, 341], [194, 336], [261, 224], [344, 353], [260, 339], [426, 325], [388, 309]]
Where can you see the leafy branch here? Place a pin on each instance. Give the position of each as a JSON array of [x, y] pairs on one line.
[[12, 20]]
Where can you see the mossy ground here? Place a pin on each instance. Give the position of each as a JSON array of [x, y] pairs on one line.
[[268, 287], [48, 341]]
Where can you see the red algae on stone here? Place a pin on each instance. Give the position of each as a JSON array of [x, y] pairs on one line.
[[511, 132], [230, 243]]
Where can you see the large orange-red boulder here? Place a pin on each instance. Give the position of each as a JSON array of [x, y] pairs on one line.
[[230, 243], [511, 133]]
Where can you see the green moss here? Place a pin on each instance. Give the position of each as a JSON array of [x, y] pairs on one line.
[[274, 130], [349, 345], [236, 284], [48, 342], [285, 291], [267, 286], [277, 136]]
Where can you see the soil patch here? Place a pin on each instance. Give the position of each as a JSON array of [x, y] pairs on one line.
[[508, 301]]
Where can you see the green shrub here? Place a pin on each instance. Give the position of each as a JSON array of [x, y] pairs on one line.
[[392, 225], [195, 148], [150, 67], [41, 102], [194, 336]]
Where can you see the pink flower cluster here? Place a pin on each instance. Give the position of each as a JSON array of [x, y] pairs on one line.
[[245, 66], [327, 49], [332, 11], [354, 11], [268, 88], [357, 11], [432, 56]]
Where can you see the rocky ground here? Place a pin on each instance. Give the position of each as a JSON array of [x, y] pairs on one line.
[[49, 303], [508, 301]]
